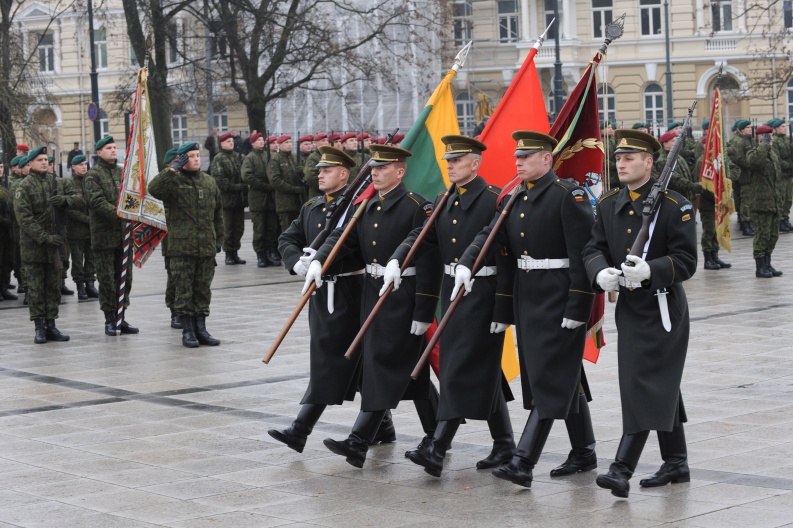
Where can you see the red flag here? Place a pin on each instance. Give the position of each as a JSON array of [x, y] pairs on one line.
[[713, 175], [367, 194]]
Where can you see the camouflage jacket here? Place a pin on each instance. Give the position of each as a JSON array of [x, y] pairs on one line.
[[683, 180], [226, 169], [311, 174], [102, 184], [764, 164], [254, 174], [784, 150], [193, 212], [354, 154], [77, 220], [285, 178], [738, 147], [5, 214]]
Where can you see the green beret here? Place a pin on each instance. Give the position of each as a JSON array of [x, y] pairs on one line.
[[604, 124], [639, 125], [104, 141], [777, 122], [187, 147], [741, 124], [35, 153], [169, 156], [15, 161], [50, 159], [705, 123], [23, 160], [674, 124], [80, 158]]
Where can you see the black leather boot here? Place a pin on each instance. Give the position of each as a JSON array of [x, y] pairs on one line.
[[746, 230], [188, 332], [91, 290], [26, 300], [261, 261], [175, 321], [519, 469], [787, 223], [428, 412], [714, 255], [761, 271], [237, 259], [624, 465], [770, 268], [582, 438], [710, 264], [431, 456], [356, 445], [22, 288], [110, 323], [230, 258], [6, 295], [52, 333], [386, 433], [750, 227], [273, 257], [41, 332], [295, 435], [64, 289], [783, 227], [200, 325], [503, 437], [81, 295], [675, 456], [125, 327]]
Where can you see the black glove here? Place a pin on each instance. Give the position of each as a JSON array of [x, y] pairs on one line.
[[180, 162], [765, 138]]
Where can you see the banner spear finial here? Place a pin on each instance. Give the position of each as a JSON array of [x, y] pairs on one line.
[[541, 38], [459, 59]]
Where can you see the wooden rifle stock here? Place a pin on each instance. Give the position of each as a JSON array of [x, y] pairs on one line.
[[478, 263], [306, 296], [405, 263]]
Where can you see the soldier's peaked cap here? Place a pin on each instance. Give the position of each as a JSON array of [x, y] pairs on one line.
[[104, 141], [385, 154], [457, 146], [333, 157], [629, 140], [530, 141]]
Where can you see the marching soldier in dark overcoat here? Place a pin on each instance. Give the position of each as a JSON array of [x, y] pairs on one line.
[[651, 313], [394, 343], [334, 312], [544, 235], [472, 345]]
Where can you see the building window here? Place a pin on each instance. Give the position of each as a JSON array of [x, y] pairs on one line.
[[721, 15], [104, 124], [654, 104], [133, 57], [549, 17], [650, 17], [607, 104], [465, 113], [507, 20], [220, 119], [46, 50], [787, 13], [790, 100], [463, 17], [601, 15], [179, 128], [173, 43], [100, 47]]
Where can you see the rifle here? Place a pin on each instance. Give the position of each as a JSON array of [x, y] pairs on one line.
[[57, 260]]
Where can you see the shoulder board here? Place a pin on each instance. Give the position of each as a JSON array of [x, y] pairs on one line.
[[410, 195], [609, 195], [670, 198], [493, 189], [564, 184], [311, 201]]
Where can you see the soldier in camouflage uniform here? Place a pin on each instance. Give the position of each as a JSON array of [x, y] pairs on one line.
[[699, 146], [194, 214], [102, 184], [364, 142], [226, 169], [310, 171], [170, 290], [6, 240], [784, 151], [286, 180], [683, 181], [349, 144], [23, 169], [689, 147], [763, 161], [79, 235], [261, 204], [65, 253], [33, 205], [707, 214], [740, 144]]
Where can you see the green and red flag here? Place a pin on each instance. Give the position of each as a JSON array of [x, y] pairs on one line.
[[713, 175]]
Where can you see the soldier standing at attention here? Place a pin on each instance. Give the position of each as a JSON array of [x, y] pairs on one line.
[[226, 168], [306, 146], [784, 151], [33, 206], [194, 214], [285, 178], [170, 290], [79, 235], [102, 184], [261, 203], [543, 236], [472, 384], [65, 252], [310, 172], [349, 144], [707, 213], [683, 181], [737, 149], [22, 171], [6, 240], [653, 335], [763, 162]]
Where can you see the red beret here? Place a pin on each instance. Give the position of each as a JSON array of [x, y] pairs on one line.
[[24, 147], [381, 140], [333, 137], [224, 137], [255, 136], [305, 138], [321, 135], [397, 138], [282, 138], [271, 139], [666, 137], [348, 135], [763, 129], [363, 136]]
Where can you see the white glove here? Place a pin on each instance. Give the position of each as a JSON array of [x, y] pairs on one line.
[[639, 272], [418, 328], [462, 277], [608, 279], [314, 274], [570, 324], [497, 328], [300, 268], [391, 275], [306, 259]]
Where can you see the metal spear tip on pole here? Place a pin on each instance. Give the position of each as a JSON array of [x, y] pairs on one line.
[[459, 59]]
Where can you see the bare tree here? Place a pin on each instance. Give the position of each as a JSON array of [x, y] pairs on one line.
[[773, 21]]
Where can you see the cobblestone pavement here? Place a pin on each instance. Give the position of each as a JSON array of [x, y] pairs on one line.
[[139, 431]]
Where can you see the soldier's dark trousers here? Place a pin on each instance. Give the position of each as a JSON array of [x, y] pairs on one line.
[[170, 291], [192, 280], [18, 260], [428, 410], [65, 256], [83, 268], [6, 259], [108, 273], [785, 196], [709, 240], [265, 230], [233, 228], [766, 233], [44, 290]]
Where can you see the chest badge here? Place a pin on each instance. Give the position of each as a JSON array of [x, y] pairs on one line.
[[200, 194]]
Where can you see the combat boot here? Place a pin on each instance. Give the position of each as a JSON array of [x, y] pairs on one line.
[[188, 333], [770, 268], [237, 259], [714, 255], [26, 300], [81, 295], [746, 230], [64, 289], [91, 290], [787, 223], [296, 435], [431, 457], [110, 323], [427, 409], [582, 439], [356, 445], [7, 295], [386, 433], [125, 327], [750, 224], [503, 438], [710, 264], [519, 469], [783, 228], [41, 332], [52, 333], [175, 321], [624, 465], [761, 271], [230, 258], [22, 289], [200, 325], [675, 456], [273, 257], [261, 261]]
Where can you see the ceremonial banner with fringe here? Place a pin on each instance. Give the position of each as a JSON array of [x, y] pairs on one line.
[[146, 213]]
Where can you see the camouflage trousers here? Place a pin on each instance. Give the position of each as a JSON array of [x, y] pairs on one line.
[[65, 255], [169, 288], [6, 258], [766, 233], [743, 202], [44, 289], [265, 230], [108, 273], [192, 282], [709, 240], [233, 228], [286, 219], [18, 259], [82, 260], [784, 197]]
